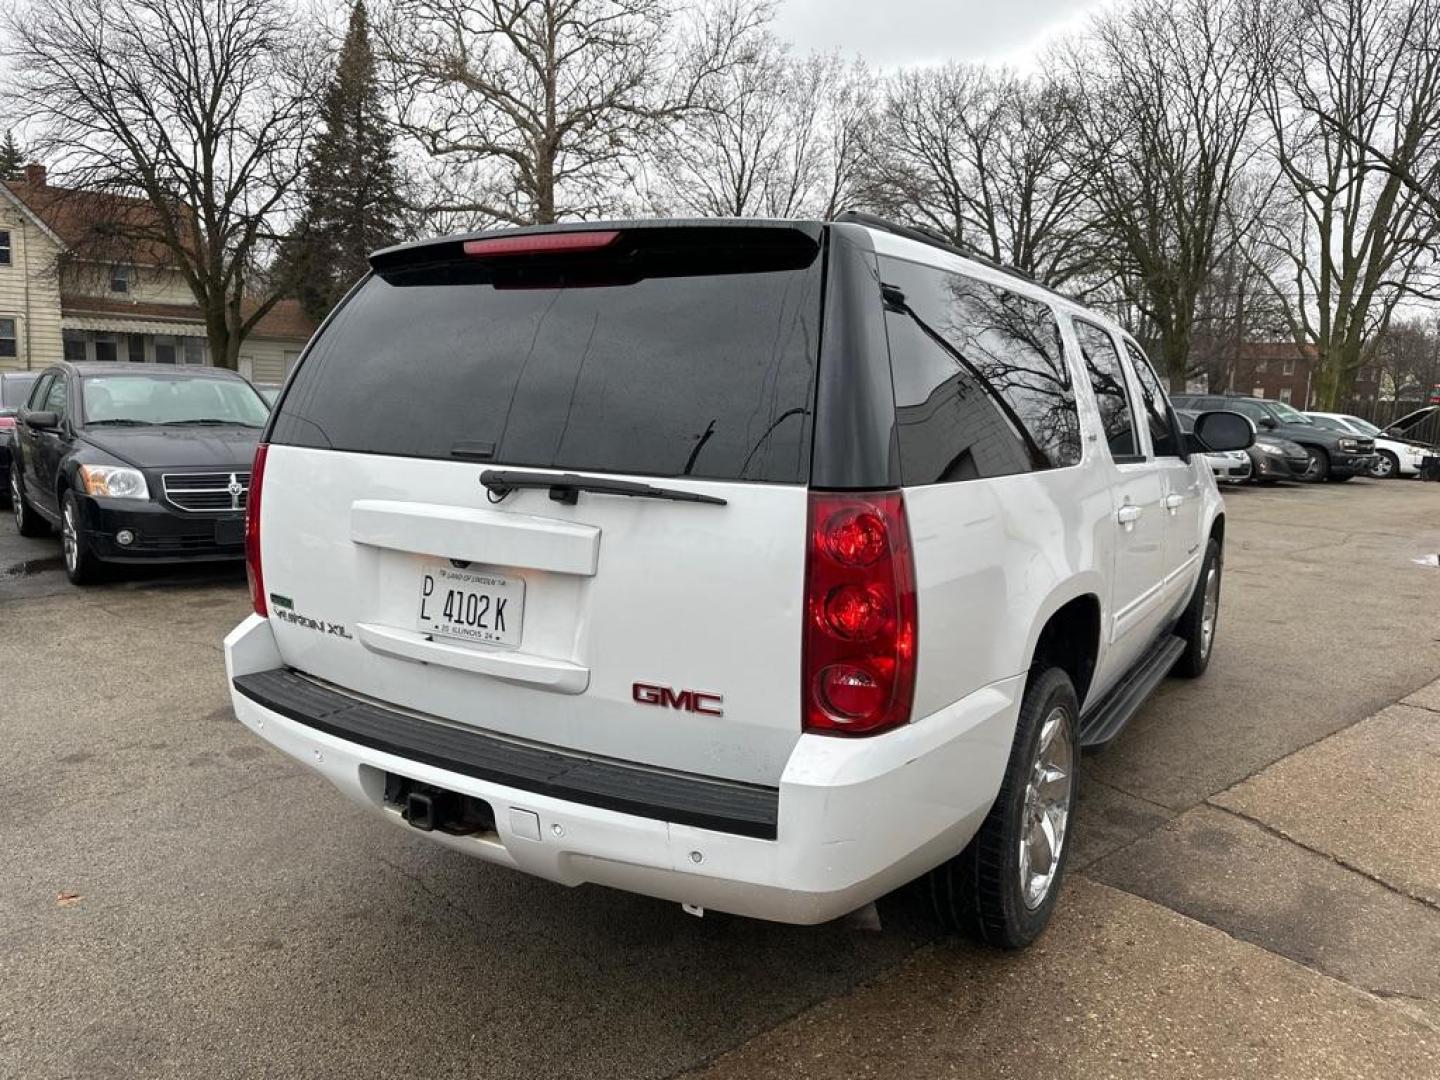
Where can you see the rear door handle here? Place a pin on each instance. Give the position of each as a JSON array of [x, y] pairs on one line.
[[1173, 501]]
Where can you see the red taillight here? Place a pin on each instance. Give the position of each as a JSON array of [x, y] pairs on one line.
[[541, 243], [252, 533], [6, 422], [860, 620]]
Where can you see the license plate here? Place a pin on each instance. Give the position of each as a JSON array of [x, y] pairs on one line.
[[472, 605]]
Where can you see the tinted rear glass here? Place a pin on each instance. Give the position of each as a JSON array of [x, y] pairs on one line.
[[681, 352]]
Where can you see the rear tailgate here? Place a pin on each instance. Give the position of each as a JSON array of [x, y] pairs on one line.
[[647, 630]]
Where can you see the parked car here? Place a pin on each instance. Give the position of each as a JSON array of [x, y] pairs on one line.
[[136, 463], [1273, 459], [1421, 426], [1393, 457], [1333, 455], [678, 587], [1230, 467], [14, 389]]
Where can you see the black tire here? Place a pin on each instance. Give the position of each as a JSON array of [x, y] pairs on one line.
[[1341, 479], [81, 565], [1386, 467], [1191, 627], [979, 891], [27, 522], [1319, 465]]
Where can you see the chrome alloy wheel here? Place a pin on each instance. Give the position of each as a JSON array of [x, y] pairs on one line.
[[1210, 610], [1383, 467], [67, 538], [1047, 809]]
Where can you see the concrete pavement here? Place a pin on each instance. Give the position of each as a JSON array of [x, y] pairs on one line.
[[1254, 896]]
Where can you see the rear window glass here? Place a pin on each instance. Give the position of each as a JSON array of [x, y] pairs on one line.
[[981, 386], [679, 353]]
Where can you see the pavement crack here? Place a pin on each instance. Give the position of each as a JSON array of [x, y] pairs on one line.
[[1280, 834], [1088, 777]]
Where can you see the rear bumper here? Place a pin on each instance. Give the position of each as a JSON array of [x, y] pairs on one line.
[[160, 533], [853, 819]]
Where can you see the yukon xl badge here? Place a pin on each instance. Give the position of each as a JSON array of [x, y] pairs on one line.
[[694, 701]]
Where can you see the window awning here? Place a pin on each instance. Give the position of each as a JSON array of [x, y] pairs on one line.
[[117, 324]]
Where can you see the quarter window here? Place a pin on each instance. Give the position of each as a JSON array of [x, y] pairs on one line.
[[1107, 379], [41, 391], [55, 398], [1157, 405], [9, 338], [5, 251], [981, 386]]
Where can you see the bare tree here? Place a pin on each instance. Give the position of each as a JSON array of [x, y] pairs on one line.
[[532, 111], [1165, 98], [1236, 302], [985, 158], [1353, 109], [773, 135], [197, 107]]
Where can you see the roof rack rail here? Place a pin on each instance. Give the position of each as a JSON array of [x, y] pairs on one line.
[[934, 238]]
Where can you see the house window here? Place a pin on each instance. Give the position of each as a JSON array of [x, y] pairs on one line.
[[120, 276], [194, 350], [9, 338], [1288, 368], [135, 347], [4, 247], [106, 349], [1285, 394], [1259, 391], [164, 350], [74, 347]]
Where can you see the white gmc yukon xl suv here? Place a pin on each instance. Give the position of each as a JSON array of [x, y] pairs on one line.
[[759, 566]]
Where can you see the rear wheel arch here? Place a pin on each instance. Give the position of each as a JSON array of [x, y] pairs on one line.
[[1070, 641]]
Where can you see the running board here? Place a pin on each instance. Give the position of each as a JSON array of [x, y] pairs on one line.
[[1100, 724]]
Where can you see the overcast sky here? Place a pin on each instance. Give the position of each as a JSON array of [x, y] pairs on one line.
[[895, 32]]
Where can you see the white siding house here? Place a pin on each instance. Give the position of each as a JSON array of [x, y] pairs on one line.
[[127, 306]]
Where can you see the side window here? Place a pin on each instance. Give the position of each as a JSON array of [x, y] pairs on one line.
[[1157, 406], [40, 392], [981, 387], [1107, 379], [1253, 409], [9, 338], [55, 398], [5, 250]]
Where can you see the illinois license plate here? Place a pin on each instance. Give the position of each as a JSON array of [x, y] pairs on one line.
[[472, 605]]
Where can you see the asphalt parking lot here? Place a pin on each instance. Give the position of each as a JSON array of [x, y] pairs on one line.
[[1255, 888]]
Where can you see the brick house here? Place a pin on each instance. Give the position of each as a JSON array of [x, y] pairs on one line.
[[1285, 371], [67, 292]]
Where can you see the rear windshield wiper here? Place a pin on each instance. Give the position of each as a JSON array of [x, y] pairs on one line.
[[566, 488]]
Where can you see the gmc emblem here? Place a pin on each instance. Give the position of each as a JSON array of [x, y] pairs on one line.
[[686, 700]]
